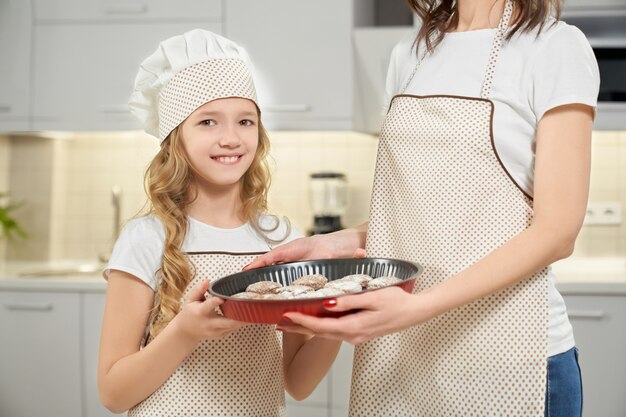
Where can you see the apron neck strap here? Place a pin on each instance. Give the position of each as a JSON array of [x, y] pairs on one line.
[[485, 92]]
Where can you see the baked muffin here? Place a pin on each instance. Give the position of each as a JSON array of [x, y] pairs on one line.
[[315, 281], [247, 295], [264, 287], [272, 296], [361, 279], [381, 282], [294, 290], [348, 287], [323, 293]]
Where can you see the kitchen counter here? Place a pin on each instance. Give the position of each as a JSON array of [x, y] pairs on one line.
[[591, 276], [573, 276], [14, 276]]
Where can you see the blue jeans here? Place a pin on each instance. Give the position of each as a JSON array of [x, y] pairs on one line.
[[564, 390]]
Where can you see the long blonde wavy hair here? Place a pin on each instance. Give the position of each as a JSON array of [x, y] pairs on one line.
[[169, 183]]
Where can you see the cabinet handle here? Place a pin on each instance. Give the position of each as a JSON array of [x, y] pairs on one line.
[[5, 108], [586, 314], [115, 109], [287, 108], [28, 307], [130, 8]]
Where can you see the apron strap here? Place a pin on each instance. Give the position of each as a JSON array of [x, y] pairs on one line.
[[485, 92]]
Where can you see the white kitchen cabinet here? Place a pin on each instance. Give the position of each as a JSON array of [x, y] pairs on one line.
[[302, 54], [340, 381], [372, 53], [316, 405], [136, 10], [332, 396], [599, 323], [40, 354], [15, 46], [92, 305], [84, 73]]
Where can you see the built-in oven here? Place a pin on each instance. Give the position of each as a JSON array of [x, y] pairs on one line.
[[607, 35], [611, 57]]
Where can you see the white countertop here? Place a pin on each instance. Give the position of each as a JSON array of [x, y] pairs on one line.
[[573, 276], [16, 276], [598, 275]]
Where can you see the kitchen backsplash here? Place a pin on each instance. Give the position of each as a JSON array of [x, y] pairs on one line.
[[66, 181], [4, 162]]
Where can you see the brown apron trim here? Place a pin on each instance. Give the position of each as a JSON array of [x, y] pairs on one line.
[[495, 151], [493, 144], [225, 253], [438, 96]]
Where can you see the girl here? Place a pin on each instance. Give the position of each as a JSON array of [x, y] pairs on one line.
[[482, 177], [165, 349]]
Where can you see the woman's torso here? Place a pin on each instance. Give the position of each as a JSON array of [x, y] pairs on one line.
[[529, 80]]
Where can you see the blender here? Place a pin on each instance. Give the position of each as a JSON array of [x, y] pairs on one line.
[[328, 198]]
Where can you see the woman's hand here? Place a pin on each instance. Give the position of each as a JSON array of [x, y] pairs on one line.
[[343, 244], [379, 313], [199, 319]]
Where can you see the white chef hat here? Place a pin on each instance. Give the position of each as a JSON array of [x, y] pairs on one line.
[[185, 72]]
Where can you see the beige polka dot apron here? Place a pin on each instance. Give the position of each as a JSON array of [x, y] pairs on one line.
[[240, 375], [442, 198]]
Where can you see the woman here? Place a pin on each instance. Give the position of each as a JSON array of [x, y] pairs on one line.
[[482, 177]]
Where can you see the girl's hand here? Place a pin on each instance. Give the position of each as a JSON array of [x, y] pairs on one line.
[[379, 313], [199, 318]]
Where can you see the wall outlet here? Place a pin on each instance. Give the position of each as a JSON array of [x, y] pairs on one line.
[[603, 213]]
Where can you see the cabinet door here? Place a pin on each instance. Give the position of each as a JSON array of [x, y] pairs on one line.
[[15, 36], [341, 379], [84, 74], [142, 10], [316, 405], [92, 305], [302, 57], [40, 354], [599, 323]]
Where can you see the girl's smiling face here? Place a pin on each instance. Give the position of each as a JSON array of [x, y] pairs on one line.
[[221, 139]]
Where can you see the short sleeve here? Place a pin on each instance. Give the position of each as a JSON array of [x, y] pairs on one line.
[[139, 250], [391, 84], [565, 71], [402, 61]]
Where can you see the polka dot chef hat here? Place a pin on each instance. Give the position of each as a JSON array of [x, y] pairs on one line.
[[185, 72]]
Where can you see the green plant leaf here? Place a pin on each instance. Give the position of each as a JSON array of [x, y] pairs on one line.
[[9, 226]]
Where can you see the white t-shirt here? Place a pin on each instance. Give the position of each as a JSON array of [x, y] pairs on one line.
[[533, 75], [139, 249]]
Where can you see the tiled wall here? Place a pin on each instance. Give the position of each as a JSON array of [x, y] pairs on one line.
[[608, 183], [4, 162], [4, 179], [77, 222], [67, 182], [32, 182]]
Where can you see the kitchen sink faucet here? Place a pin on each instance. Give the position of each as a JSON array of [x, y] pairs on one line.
[[116, 201]]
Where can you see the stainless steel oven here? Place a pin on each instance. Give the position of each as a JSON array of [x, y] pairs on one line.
[[611, 58], [607, 35]]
